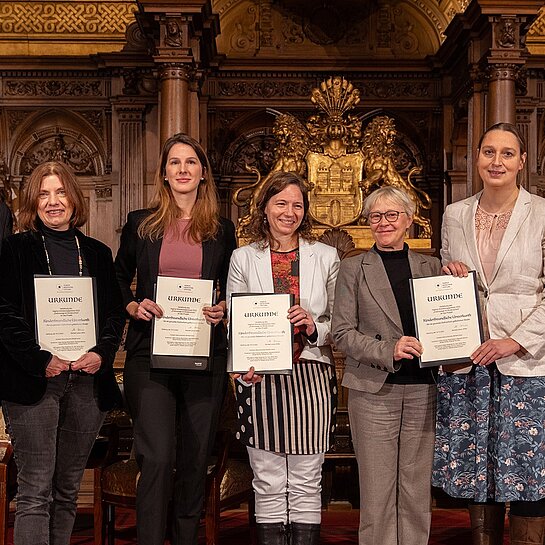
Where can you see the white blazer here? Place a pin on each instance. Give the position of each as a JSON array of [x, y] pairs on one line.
[[513, 299], [251, 271]]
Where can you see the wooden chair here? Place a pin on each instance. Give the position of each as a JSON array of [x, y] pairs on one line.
[[228, 484]]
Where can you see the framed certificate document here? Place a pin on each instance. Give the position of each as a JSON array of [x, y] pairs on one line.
[[182, 338], [261, 336], [66, 322], [447, 316]]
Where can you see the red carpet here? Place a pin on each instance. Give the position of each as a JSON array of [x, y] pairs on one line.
[[339, 527]]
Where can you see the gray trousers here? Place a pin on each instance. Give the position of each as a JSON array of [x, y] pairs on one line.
[[52, 440], [393, 433]]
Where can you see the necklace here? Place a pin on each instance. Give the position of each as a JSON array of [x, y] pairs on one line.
[[80, 260]]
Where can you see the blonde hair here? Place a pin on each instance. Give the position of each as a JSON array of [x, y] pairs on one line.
[[392, 194], [28, 210], [204, 222]]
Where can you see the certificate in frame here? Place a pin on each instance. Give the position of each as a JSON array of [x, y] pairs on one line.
[[182, 338], [260, 334], [447, 317], [66, 319]]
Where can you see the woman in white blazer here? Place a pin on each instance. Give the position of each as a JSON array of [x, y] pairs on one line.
[[490, 444], [286, 420]]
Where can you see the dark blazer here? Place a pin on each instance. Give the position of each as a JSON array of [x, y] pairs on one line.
[[6, 222], [142, 255], [366, 324], [22, 362]]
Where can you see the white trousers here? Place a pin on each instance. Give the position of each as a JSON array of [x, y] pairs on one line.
[[287, 486]]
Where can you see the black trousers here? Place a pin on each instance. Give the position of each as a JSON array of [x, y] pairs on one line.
[[175, 416]]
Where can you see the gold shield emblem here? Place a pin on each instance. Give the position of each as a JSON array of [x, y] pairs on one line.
[[335, 192]]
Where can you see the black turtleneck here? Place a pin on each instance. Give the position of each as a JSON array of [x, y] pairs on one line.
[[398, 269], [63, 251]]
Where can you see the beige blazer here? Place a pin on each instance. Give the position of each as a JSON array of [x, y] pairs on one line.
[[366, 324], [513, 299], [251, 271]]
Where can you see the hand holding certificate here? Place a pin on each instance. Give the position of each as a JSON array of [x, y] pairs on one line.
[[65, 315], [182, 337], [447, 317], [261, 336]]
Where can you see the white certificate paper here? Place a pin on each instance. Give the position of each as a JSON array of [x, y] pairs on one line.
[[183, 331], [261, 334], [447, 318], [65, 315]]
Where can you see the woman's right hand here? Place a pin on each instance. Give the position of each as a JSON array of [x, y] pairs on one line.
[[145, 310], [251, 377], [56, 366], [407, 348], [455, 268]]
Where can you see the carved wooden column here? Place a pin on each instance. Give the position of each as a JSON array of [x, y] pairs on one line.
[[504, 63], [184, 34], [130, 153], [174, 101]]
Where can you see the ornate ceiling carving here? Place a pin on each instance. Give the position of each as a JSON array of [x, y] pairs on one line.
[[65, 27]]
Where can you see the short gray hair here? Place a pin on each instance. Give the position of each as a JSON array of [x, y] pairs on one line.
[[389, 193]]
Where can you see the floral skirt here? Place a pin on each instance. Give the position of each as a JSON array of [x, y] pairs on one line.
[[490, 436]]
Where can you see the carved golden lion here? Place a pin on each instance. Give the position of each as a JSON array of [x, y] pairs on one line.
[[379, 167]]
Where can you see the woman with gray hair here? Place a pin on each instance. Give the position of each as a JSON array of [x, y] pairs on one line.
[[391, 400]]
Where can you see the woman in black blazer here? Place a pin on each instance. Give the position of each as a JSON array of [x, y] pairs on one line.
[[53, 408], [175, 412]]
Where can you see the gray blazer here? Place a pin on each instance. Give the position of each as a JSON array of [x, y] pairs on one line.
[[366, 324], [513, 300]]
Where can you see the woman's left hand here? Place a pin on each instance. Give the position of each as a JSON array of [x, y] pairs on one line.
[[214, 315], [89, 362], [300, 317], [494, 349]]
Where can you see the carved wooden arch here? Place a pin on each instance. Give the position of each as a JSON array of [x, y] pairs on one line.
[[61, 135], [254, 144]]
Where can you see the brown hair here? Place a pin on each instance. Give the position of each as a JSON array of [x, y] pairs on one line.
[[28, 211], [257, 229], [507, 127], [204, 223]]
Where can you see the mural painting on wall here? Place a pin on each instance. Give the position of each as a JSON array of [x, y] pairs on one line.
[[342, 162]]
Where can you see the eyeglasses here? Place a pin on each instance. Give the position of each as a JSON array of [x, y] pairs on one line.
[[390, 215]]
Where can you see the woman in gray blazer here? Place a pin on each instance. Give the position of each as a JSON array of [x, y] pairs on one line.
[[391, 401], [490, 444]]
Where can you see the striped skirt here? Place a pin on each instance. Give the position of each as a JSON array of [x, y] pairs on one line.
[[292, 414]]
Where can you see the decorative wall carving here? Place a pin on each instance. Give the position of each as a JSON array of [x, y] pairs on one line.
[[95, 118], [65, 17], [255, 150], [59, 147], [409, 28], [53, 88], [16, 117], [264, 89]]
